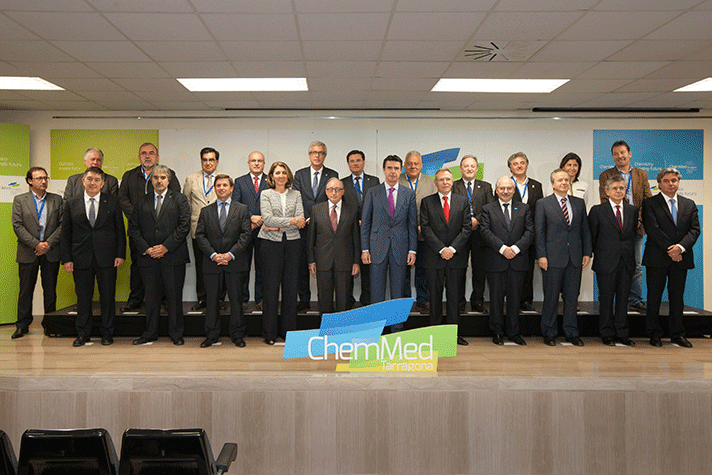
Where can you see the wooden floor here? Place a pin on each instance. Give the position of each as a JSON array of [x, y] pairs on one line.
[[491, 409]]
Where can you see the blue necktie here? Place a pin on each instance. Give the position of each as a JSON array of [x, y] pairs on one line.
[[359, 193], [223, 216], [673, 210], [315, 186]]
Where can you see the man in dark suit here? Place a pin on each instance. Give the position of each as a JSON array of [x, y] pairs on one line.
[[310, 182], [673, 228], [389, 233], [248, 189], [93, 157], [334, 248], [563, 247], [526, 190], [134, 184], [159, 227], [223, 233], [478, 194], [93, 245], [356, 185], [613, 226], [445, 224], [508, 230], [37, 221]]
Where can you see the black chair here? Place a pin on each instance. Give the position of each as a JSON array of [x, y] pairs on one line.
[[8, 461], [60, 452], [172, 452]]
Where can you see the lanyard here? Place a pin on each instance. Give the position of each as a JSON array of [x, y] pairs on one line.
[[414, 188], [526, 185], [211, 187], [41, 208], [147, 178]]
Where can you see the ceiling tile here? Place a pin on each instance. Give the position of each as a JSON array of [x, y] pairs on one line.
[[338, 104], [119, 51], [340, 70], [654, 85], [345, 26], [707, 5], [649, 5], [352, 95], [691, 70], [545, 5], [262, 50], [341, 50], [270, 69], [617, 100], [562, 70], [129, 70], [703, 54], [10, 30], [621, 70], [180, 50], [490, 70], [195, 69], [688, 26], [162, 85], [128, 105], [281, 96], [236, 27], [592, 85], [269, 104], [233, 104], [398, 69], [113, 96], [444, 5], [433, 26], [343, 6], [556, 99], [82, 84], [391, 104], [23, 105], [403, 83], [7, 69], [6, 95], [658, 50], [55, 70], [160, 26], [243, 6], [345, 85], [53, 96], [166, 96], [421, 50], [529, 25], [214, 97], [45, 6], [165, 6], [74, 106], [388, 95], [616, 25], [578, 50], [61, 26], [509, 103], [496, 51], [31, 51], [180, 106]]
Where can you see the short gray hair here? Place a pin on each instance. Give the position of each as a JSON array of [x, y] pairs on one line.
[[317, 143], [415, 153], [551, 177], [162, 170], [614, 179], [93, 149]]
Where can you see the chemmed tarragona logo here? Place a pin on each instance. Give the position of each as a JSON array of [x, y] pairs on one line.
[[353, 338]]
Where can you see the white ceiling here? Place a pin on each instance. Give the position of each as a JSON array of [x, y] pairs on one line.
[[355, 54]]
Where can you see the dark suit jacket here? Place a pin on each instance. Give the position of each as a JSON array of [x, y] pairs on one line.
[[235, 239], [105, 241], [554, 239], [439, 233], [535, 192], [303, 184], [350, 193], [75, 187], [481, 195], [610, 244], [380, 232], [338, 249], [134, 186], [662, 232], [244, 192], [27, 226], [641, 190], [169, 228], [496, 234]]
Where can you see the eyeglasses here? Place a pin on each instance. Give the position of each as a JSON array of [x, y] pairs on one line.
[[211, 160], [41, 178], [334, 190]]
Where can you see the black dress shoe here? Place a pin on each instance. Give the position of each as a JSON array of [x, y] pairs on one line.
[[656, 342], [198, 306], [132, 307], [107, 340], [626, 341], [239, 342], [301, 306], [80, 341], [639, 307], [143, 341], [19, 333], [576, 341], [178, 341], [526, 306], [517, 339], [497, 339], [269, 342], [550, 341], [462, 341], [681, 341], [478, 307], [608, 341], [208, 342]]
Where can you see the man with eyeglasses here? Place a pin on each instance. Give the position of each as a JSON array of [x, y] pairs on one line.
[[310, 182], [93, 157], [134, 184], [334, 248], [37, 221], [199, 188]]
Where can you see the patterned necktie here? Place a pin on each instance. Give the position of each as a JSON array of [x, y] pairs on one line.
[[334, 219], [158, 204], [446, 210], [359, 193], [223, 216], [507, 219], [391, 201], [257, 184], [92, 212], [315, 185], [619, 217], [210, 184], [566, 211], [673, 210]]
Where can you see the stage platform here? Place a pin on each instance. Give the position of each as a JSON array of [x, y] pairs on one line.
[[698, 322], [489, 410]]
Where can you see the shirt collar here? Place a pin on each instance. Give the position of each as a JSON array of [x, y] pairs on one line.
[[163, 195], [87, 197], [502, 203], [228, 200], [37, 197], [442, 196]]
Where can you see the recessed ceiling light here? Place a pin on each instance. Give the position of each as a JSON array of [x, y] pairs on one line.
[[244, 84], [704, 85], [499, 85], [27, 83]]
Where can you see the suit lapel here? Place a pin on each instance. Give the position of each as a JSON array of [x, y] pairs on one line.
[[612, 216]]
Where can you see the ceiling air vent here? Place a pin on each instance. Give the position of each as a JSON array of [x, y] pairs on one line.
[[501, 50]]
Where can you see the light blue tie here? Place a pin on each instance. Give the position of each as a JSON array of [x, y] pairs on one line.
[[673, 210], [315, 186]]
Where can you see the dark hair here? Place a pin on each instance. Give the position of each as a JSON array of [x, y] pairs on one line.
[[620, 143], [355, 152], [392, 158], [95, 170], [571, 156], [668, 171], [224, 176], [290, 176], [28, 177], [210, 150]]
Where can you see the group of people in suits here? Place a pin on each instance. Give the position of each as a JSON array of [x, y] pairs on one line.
[[312, 221]]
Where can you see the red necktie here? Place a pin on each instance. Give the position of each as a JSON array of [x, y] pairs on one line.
[[618, 216], [446, 210], [334, 219], [257, 184]]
